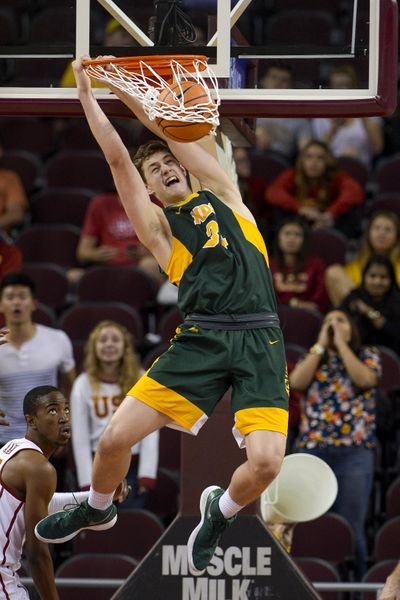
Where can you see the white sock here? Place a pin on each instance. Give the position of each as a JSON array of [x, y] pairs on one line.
[[100, 501], [227, 506]]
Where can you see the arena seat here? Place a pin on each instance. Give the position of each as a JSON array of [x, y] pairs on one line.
[[26, 164], [88, 169], [329, 244], [317, 569], [56, 242], [377, 574], [114, 283], [393, 499], [44, 315], [354, 167], [51, 283], [93, 566], [77, 136], [329, 537], [387, 541], [66, 206], [385, 201], [79, 320], [387, 174], [30, 135], [135, 533], [299, 325], [268, 165], [390, 369], [168, 323]]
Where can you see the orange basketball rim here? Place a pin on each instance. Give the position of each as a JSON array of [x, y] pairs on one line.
[[147, 78]]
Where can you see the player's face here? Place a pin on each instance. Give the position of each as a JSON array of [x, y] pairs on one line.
[[166, 178], [290, 238], [17, 304], [377, 281], [51, 423], [314, 162], [382, 234], [110, 345]]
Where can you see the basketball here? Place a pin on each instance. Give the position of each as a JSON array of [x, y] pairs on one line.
[[183, 131]]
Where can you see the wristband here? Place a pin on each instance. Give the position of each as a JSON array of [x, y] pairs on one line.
[[317, 349], [373, 315]]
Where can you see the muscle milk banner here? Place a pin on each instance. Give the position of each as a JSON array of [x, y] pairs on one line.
[[249, 565]]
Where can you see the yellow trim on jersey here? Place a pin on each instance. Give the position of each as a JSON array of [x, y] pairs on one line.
[[178, 262], [166, 401], [253, 419], [252, 235], [185, 201]]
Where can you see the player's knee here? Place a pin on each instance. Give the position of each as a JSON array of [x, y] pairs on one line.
[[266, 468], [111, 442]]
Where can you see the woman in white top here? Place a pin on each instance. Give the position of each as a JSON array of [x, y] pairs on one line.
[[358, 137], [111, 367]]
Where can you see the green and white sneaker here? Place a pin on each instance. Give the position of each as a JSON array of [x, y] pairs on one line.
[[205, 537], [66, 524]]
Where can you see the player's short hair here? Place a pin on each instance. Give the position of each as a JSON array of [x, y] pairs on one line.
[[18, 279], [145, 151], [33, 397]]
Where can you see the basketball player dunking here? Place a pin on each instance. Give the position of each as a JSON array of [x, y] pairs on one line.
[[209, 245]]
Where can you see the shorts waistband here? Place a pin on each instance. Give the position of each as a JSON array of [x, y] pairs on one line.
[[235, 322]]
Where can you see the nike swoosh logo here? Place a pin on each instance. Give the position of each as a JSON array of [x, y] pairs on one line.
[[272, 342]]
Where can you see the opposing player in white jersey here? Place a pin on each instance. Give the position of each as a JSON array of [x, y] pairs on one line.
[[27, 486]]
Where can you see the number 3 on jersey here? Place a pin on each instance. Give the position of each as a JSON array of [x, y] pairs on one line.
[[200, 213], [215, 238]]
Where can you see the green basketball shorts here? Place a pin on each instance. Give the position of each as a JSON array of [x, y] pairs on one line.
[[189, 379]]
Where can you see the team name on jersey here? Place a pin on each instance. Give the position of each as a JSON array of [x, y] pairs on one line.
[[199, 214]]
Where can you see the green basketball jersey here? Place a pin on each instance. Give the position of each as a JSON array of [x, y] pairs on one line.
[[219, 259]]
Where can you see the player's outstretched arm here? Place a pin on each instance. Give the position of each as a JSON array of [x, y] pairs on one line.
[[148, 219]]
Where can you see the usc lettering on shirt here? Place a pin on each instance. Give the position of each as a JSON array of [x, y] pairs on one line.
[[104, 406]]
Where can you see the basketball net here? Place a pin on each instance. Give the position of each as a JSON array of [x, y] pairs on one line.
[[146, 85]]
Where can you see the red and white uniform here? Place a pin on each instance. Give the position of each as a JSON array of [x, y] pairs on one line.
[[12, 526]]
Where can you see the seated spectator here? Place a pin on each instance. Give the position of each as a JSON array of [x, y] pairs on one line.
[[339, 379], [298, 276], [318, 190], [359, 137], [111, 367], [13, 201], [375, 304], [382, 236], [108, 238], [283, 135]]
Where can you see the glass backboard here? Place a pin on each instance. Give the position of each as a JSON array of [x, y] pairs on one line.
[[272, 57]]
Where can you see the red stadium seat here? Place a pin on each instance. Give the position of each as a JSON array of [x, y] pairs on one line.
[[299, 325], [51, 283], [58, 243], [319, 570], [329, 244], [79, 320], [65, 206], [93, 566], [387, 541], [377, 574], [88, 169], [135, 533]]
